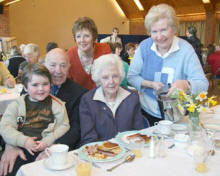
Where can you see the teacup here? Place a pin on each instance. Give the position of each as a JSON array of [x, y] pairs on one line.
[[58, 154], [164, 126]]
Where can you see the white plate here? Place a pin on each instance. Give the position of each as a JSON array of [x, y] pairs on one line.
[[179, 127], [210, 126], [70, 163]]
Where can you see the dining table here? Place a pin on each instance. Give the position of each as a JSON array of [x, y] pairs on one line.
[[7, 95], [177, 161]]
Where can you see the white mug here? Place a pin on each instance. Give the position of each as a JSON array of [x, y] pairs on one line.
[[164, 126], [58, 154]]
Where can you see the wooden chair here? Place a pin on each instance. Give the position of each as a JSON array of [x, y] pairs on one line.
[[209, 78], [207, 68], [215, 80]]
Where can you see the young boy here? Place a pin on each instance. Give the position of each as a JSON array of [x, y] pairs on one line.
[[35, 120]]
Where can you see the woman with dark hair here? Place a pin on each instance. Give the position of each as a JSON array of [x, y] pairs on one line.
[[195, 42]]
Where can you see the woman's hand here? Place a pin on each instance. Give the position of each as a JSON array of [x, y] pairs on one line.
[[157, 85], [179, 84], [8, 159], [151, 84]]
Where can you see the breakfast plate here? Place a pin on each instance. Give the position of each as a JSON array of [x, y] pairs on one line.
[[70, 163], [104, 151], [133, 137]]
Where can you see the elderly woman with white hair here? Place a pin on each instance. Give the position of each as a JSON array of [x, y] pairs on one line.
[[164, 59], [31, 54], [109, 108]]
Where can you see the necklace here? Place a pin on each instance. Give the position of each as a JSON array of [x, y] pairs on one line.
[[86, 61]]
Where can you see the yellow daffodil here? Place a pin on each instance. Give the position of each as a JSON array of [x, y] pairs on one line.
[[213, 102], [202, 109], [192, 107]]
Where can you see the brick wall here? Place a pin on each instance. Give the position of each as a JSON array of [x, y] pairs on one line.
[[4, 23]]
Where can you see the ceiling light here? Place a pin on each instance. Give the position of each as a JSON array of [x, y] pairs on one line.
[[12, 2], [206, 1], [119, 8], [139, 5]]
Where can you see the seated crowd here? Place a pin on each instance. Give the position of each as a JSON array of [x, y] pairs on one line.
[[82, 95]]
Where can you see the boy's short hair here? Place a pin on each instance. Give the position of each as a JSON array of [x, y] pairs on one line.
[[34, 69]]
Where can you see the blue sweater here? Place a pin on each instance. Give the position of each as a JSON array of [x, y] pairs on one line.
[[182, 64]]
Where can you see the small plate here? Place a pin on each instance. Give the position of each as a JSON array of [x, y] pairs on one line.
[[122, 137], [70, 163], [179, 127], [215, 127]]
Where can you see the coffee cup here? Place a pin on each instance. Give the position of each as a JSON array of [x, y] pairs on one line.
[[164, 126], [57, 154]]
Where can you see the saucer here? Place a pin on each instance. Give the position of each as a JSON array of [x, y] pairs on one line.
[[70, 163], [179, 127], [158, 133]]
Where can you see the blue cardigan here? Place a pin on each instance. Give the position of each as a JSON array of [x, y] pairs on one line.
[[182, 64]]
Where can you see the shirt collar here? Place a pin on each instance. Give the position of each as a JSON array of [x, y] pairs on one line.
[[174, 47], [121, 95], [54, 89]]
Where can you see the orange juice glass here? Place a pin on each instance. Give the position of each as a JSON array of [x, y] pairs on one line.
[[83, 169]]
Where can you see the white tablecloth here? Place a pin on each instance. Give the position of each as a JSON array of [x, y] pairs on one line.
[[177, 163], [7, 98]]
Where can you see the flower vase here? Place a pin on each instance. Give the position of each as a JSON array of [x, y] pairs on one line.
[[195, 129]]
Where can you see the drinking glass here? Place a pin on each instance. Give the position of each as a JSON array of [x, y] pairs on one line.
[[83, 169]]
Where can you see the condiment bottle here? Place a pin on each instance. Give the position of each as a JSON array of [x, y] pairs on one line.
[[152, 147]]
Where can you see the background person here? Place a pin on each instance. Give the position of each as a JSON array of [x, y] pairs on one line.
[[162, 59], [31, 55], [15, 60], [130, 50], [50, 46], [116, 49], [6, 79], [214, 61], [113, 38], [35, 120], [195, 42], [21, 47], [109, 108], [87, 50]]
